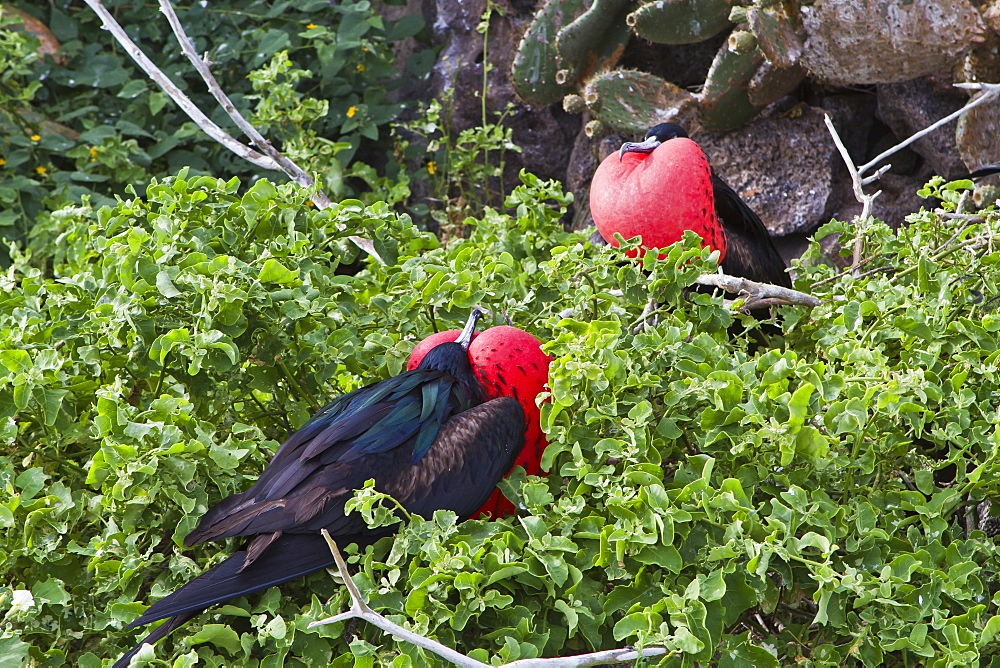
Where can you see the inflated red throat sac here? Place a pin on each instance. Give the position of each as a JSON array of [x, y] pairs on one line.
[[656, 195]]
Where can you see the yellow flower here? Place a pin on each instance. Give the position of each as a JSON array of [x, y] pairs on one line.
[[361, 68], [41, 170], [351, 111], [309, 202], [2, 162], [432, 167], [310, 26], [36, 137], [93, 151]]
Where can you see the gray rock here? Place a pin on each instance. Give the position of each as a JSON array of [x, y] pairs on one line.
[[853, 115], [910, 106], [978, 135], [781, 167], [583, 161], [853, 42]]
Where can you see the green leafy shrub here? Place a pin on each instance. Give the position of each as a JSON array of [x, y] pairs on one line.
[[803, 504]]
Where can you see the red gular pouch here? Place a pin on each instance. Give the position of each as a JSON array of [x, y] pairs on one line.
[[657, 195]]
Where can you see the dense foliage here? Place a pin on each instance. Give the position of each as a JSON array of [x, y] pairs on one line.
[[86, 121], [742, 504]]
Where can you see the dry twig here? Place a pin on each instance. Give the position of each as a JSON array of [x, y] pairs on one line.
[[175, 93], [361, 610], [859, 192], [756, 293], [256, 138], [987, 92]]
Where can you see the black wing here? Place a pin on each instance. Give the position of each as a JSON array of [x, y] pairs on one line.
[[289, 557], [379, 428], [750, 253]]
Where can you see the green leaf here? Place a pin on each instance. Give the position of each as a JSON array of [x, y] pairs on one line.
[[16, 361], [275, 272], [51, 591], [30, 482], [219, 635], [13, 652], [165, 285], [797, 407]]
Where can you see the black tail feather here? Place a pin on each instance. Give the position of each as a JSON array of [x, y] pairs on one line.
[[161, 632], [291, 556], [982, 172]]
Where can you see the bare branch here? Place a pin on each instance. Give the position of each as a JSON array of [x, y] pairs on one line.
[[859, 193], [843, 273], [874, 271], [201, 65], [972, 217], [876, 176], [987, 92], [755, 292], [175, 93], [647, 318], [593, 659], [361, 610]]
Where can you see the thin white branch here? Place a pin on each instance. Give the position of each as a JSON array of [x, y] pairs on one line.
[[987, 92], [593, 659], [361, 610], [756, 292], [646, 318], [201, 65], [876, 176], [175, 93], [859, 193]]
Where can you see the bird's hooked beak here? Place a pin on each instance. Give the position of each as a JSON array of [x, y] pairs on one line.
[[645, 146], [465, 338]]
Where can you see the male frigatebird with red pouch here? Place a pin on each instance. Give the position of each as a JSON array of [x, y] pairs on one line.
[[429, 437], [509, 362], [664, 185]]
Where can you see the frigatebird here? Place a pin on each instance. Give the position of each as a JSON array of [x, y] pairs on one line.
[[508, 362], [680, 191], [427, 437]]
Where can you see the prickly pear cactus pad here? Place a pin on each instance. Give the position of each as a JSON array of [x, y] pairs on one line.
[[632, 101], [680, 21]]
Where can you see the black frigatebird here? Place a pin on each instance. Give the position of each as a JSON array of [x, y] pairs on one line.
[[509, 362], [426, 437]]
